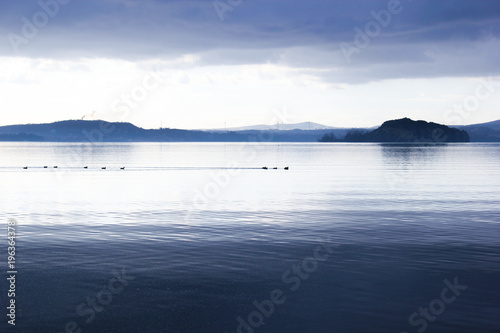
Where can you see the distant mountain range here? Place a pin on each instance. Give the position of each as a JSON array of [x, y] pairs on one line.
[[102, 131], [485, 132], [305, 126]]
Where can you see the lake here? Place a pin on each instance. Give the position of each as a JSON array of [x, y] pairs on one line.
[[198, 237]]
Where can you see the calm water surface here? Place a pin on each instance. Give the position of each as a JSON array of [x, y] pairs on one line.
[[189, 236]]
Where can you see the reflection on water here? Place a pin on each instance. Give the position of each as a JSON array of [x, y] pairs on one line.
[[406, 154], [204, 234]]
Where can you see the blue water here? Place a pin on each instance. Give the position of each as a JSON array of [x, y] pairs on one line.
[[188, 236]]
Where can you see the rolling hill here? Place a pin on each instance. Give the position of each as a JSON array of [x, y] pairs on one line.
[[102, 131]]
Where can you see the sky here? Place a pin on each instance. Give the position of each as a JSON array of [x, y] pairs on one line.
[[201, 64]]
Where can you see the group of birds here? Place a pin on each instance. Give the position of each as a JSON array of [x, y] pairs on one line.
[[123, 168], [275, 168], [85, 167]]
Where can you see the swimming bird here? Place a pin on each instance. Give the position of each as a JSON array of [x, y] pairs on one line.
[[45, 167], [265, 168], [104, 168], [55, 166], [275, 168], [85, 167], [25, 168], [286, 168], [122, 168]]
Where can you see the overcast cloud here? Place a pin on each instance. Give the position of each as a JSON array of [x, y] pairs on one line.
[[420, 39]]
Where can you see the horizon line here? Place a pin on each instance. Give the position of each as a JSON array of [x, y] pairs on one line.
[[240, 128]]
